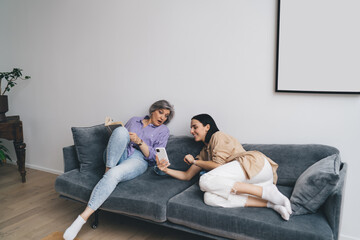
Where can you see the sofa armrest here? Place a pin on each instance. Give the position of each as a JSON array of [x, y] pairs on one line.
[[70, 158], [332, 206]]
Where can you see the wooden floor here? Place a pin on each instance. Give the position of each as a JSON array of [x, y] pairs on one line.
[[33, 210]]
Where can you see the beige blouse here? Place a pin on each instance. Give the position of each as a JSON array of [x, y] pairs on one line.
[[223, 148]]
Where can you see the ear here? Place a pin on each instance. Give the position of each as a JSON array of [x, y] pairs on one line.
[[207, 127]]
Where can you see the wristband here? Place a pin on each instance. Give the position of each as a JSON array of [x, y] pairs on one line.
[[194, 162]]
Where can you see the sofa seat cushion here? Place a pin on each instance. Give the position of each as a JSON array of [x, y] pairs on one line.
[[145, 196], [76, 184], [188, 209]]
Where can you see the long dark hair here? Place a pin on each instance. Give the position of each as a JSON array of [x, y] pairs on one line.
[[206, 119]]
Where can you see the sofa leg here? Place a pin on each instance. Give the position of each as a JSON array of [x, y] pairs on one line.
[[96, 220]]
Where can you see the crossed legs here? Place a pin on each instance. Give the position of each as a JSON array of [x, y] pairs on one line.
[[227, 186]]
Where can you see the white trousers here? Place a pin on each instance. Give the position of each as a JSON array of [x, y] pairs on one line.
[[218, 183]]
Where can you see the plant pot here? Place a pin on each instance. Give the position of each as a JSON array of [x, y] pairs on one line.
[[4, 107]]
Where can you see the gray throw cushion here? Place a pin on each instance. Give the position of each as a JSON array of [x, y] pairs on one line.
[[314, 185], [90, 143]]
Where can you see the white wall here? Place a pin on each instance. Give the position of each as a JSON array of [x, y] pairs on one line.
[[91, 59]]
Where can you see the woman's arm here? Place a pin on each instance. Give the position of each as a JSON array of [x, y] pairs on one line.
[[181, 175], [142, 145], [207, 165], [184, 175]]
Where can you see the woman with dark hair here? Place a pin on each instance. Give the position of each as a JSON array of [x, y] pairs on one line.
[[130, 151], [236, 178]]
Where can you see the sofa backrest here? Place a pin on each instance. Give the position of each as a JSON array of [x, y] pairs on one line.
[[178, 147], [293, 159]]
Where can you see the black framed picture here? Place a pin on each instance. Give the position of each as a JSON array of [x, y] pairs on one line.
[[318, 46]]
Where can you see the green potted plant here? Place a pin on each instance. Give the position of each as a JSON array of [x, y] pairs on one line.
[[4, 154], [10, 81]]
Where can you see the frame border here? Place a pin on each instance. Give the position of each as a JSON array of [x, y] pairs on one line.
[[277, 67]]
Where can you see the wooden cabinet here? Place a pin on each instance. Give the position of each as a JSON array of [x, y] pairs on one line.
[[12, 129]]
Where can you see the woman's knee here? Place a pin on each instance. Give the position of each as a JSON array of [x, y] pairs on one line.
[[111, 176], [211, 199], [206, 181], [121, 132]]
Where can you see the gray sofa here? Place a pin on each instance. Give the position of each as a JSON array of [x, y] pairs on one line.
[[179, 204]]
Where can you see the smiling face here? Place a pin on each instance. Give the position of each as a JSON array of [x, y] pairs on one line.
[[159, 116], [198, 130]]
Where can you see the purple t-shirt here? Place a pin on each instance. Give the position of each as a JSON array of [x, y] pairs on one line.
[[153, 136]]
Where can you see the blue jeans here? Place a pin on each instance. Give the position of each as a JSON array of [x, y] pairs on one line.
[[122, 167], [158, 171]]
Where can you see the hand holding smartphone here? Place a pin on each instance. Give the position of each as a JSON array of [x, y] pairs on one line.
[[161, 153]]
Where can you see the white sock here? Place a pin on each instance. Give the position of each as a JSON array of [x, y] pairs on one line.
[[280, 209], [272, 194], [74, 229]]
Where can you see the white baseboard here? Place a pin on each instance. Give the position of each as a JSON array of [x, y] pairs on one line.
[[36, 167], [43, 169], [346, 237]]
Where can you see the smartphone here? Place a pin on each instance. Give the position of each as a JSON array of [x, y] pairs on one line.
[[161, 153]]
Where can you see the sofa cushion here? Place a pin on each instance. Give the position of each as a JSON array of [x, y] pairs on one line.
[[315, 185], [145, 196], [90, 143], [178, 147], [293, 159], [188, 209], [77, 185]]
